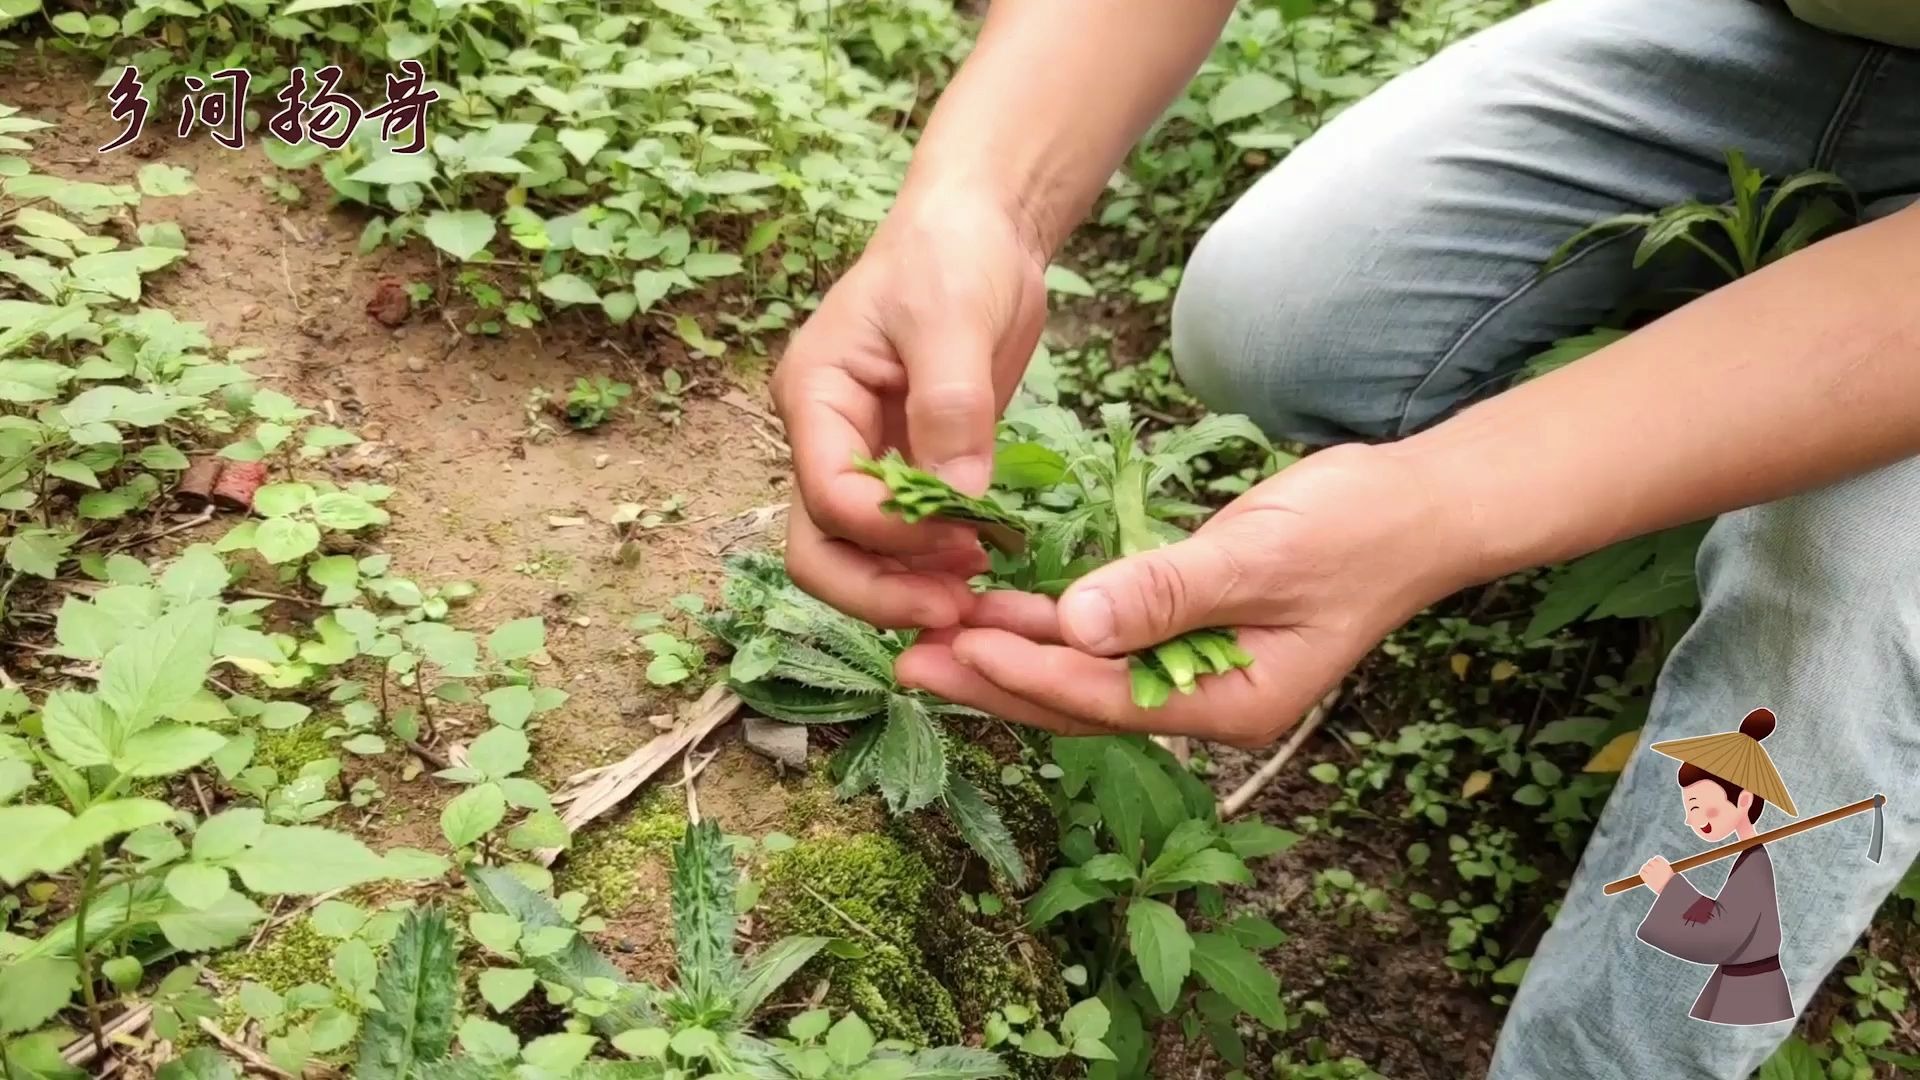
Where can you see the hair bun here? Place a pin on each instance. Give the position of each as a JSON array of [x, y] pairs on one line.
[[1758, 724]]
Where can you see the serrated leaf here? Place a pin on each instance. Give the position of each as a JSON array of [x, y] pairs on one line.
[[416, 989], [980, 825], [703, 912], [1067, 889], [1163, 948], [910, 756], [1238, 976]]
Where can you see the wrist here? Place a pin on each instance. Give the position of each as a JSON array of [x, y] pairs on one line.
[[1443, 532], [990, 201]]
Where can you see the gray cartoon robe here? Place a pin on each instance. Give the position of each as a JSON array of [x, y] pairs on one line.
[[1738, 932]]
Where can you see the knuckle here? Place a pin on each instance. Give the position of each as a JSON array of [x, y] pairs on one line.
[[951, 400], [1163, 590]]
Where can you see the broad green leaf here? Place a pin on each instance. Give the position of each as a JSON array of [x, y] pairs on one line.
[[850, 1041], [1238, 976], [282, 540], [518, 639], [581, 143], [199, 1063], [159, 179], [159, 671], [1253, 839], [1062, 280], [197, 885], [558, 1055], [499, 753], [502, 988], [1067, 889], [303, 859], [227, 833], [279, 500], [568, 289], [460, 233], [198, 574], [78, 728], [33, 989], [165, 749], [511, 706], [472, 814], [1160, 943], [39, 551], [1246, 95], [487, 1042], [226, 922]]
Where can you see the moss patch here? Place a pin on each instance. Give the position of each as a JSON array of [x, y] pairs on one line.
[[289, 750], [872, 891], [602, 862], [297, 954]]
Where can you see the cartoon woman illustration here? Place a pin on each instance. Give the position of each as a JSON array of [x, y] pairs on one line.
[[1725, 782]]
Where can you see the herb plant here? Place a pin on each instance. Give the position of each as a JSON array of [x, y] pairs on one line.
[[798, 660], [1109, 505]]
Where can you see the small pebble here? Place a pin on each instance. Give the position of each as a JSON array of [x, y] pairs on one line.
[[416, 364], [600, 461]]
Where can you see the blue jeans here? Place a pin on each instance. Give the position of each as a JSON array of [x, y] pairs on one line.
[[1387, 273]]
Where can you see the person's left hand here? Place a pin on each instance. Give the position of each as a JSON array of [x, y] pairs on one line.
[[1312, 567]]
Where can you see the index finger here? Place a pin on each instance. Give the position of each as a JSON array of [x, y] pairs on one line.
[[832, 422]]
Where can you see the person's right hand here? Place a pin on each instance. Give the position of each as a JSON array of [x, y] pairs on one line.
[[918, 347]]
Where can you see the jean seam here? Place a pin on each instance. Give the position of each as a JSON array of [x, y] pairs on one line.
[[1848, 107], [1447, 357]]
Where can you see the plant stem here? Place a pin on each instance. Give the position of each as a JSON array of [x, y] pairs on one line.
[[83, 955]]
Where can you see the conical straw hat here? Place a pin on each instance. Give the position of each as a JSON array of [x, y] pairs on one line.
[[1737, 758]]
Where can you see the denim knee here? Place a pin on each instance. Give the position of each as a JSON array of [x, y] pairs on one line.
[[1262, 326]]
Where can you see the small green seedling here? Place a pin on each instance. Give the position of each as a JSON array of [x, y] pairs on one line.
[[590, 402]]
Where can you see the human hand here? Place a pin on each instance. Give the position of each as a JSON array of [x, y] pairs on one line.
[[1656, 872], [919, 347], [1312, 567]]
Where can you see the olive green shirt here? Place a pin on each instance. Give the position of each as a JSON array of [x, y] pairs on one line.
[[1894, 22]]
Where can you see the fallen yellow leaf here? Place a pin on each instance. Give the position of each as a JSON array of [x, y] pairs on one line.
[[1459, 661], [1504, 670], [1614, 756], [1477, 782]]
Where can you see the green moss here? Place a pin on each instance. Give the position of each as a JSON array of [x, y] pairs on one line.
[[297, 954], [289, 750], [602, 862], [1024, 806], [870, 890]]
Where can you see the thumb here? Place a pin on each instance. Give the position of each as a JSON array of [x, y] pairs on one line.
[[951, 405], [1146, 599]]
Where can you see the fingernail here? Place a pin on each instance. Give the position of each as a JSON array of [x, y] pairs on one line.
[[1088, 616], [970, 472]]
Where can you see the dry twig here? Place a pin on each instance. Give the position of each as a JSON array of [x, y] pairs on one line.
[[1236, 802], [596, 791]]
